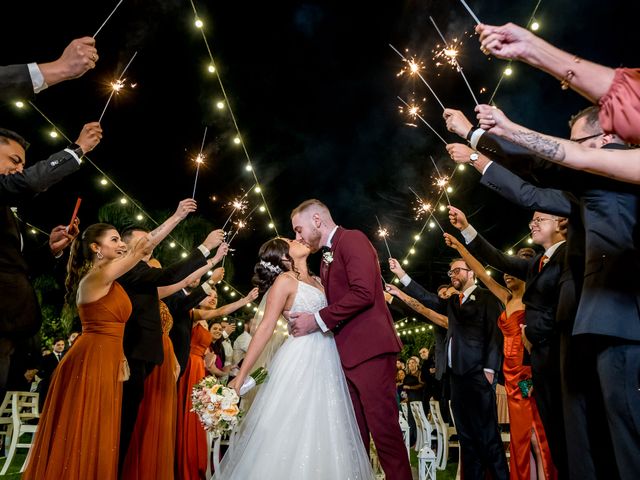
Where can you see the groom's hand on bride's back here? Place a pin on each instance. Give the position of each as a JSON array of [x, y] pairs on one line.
[[302, 323]]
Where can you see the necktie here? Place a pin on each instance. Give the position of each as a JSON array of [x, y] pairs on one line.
[[461, 296], [543, 262]]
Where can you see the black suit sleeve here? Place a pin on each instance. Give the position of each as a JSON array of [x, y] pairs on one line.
[[192, 300], [428, 299], [38, 177], [525, 194], [15, 83], [484, 251], [143, 274], [493, 357]]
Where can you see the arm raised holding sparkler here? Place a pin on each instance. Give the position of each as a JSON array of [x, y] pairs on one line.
[[623, 165], [22, 81], [616, 90], [415, 305], [228, 309]]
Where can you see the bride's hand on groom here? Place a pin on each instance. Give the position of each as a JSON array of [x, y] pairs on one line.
[[302, 323]]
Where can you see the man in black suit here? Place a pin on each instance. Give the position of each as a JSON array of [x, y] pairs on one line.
[[20, 82], [47, 365], [607, 322], [142, 339], [180, 305], [474, 357], [542, 275], [19, 310]]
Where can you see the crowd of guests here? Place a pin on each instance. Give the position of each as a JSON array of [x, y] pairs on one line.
[[562, 334]]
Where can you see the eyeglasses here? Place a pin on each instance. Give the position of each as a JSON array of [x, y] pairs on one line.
[[456, 271], [584, 139], [538, 220]]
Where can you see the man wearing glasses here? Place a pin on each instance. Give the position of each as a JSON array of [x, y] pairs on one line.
[[474, 356]]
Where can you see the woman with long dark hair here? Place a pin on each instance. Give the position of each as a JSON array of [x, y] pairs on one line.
[[78, 433]]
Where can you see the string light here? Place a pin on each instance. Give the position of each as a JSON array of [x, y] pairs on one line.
[[535, 26], [19, 104], [211, 69], [53, 134], [508, 71], [104, 181], [220, 105], [124, 201], [198, 23]]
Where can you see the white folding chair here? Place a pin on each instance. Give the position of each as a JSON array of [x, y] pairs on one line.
[[24, 407], [442, 430], [426, 456], [404, 426]]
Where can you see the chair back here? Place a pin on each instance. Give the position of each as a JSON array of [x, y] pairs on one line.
[[442, 449], [422, 424]]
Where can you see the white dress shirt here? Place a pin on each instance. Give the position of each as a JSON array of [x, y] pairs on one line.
[[319, 320]]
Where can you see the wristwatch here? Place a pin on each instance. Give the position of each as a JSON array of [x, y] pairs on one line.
[[469, 134], [77, 149], [473, 158]]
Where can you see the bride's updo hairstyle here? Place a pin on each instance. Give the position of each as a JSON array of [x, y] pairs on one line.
[[274, 259]]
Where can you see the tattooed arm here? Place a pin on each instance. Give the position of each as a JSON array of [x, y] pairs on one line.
[[622, 165], [415, 305], [185, 207]]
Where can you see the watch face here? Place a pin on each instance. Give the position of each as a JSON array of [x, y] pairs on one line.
[[473, 157]]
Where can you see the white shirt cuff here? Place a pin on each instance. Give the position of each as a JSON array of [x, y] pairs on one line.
[[207, 289], [320, 323], [205, 251], [486, 167], [489, 370], [74, 155], [469, 234], [405, 280], [475, 137], [37, 79]]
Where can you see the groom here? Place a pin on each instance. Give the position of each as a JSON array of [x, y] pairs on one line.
[[360, 320]]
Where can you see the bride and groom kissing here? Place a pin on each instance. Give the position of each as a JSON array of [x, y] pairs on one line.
[[332, 383]]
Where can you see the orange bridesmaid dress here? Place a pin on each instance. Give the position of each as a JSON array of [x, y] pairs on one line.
[[78, 433], [191, 451], [523, 413], [152, 448]]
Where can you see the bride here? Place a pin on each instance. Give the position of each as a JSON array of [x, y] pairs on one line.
[[301, 424]]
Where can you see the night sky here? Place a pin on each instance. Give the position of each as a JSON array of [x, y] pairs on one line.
[[313, 86]]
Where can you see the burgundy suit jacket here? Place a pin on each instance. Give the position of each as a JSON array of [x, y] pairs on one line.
[[357, 312]]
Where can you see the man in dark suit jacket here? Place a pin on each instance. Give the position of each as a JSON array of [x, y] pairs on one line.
[[47, 365], [607, 323], [180, 305], [19, 310], [365, 337], [474, 358], [542, 275], [142, 339], [20, 82]]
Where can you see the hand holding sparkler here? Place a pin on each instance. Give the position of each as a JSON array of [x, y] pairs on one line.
[[89, 137], [396, 269], [494, 120], [457, 218], [461, 154], [216, 276], [453, 242], [78, 58], [215, 238], [509, 42], [457, 122], [221, 253], [185, 207]]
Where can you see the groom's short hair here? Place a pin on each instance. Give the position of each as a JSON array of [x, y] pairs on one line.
[[312, 202]]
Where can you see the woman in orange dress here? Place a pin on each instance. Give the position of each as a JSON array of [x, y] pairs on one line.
[[152, 448], [525, 426], [78, 433], [191, 438]]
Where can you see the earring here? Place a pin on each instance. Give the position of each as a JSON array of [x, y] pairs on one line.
[[99, 255]]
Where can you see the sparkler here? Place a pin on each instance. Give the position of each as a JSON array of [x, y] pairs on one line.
[[424, 208], [238, 204], [199, 161], [105, 22], [383, 233], [451, 53], [473, 15], [415, 113], [117, 86], [414, 69], [442, 182]]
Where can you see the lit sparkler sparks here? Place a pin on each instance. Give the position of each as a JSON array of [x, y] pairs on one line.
[[238, 204], [417, 114], [413, 68], [442, 181], [117, 86], [383, 233], [199, 160]]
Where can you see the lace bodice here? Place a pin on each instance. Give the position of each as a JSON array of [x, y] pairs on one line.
[[308, 299]]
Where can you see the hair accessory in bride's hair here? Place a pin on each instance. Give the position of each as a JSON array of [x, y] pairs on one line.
[[271, 267]]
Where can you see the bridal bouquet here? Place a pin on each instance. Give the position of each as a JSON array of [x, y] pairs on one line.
[[217, 405]]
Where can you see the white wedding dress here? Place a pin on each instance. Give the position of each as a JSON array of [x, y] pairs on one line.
[[301, 424]]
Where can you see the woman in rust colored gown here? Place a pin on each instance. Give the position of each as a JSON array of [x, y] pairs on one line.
[[152, 449], [78, 433], [191, 438], [525, 426]]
